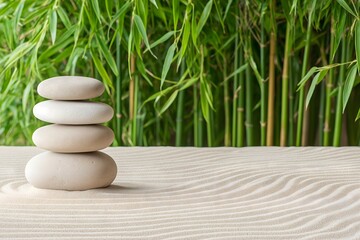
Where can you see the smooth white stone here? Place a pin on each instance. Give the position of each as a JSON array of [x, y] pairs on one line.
[[70, 88], [73, 112], [73, 138], [71, 171]]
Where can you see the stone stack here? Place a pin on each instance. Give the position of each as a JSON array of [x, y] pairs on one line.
[[72, 161]]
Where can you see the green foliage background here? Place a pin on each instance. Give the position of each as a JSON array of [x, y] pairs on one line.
[[183, 72]]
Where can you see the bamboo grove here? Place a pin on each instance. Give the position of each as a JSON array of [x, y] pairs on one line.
[[191, 73]]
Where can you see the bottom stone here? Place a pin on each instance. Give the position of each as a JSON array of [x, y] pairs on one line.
[[71, 171]]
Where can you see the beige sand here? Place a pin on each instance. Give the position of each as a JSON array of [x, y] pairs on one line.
[[189, 193]]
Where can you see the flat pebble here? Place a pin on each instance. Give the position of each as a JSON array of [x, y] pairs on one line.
[[71, 171], [73, 138], [70, 88], [73, 112]]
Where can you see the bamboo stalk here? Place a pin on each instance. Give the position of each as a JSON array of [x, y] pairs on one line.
[[180, 111], [134, 126], [132, 92], [291, 101], [235, 90], [118, 92], [209, 130], [306, 121], [339, 103], [209, 110], [158, 129], [212, 129], [200, 128], [138, 116], [301, 109], [249, 125], [227, 137], [196, 117], [322, 97], [277, 127], [240, 106], [131, 87], [321, 113], [271, 95], [329, 86], [285, 88], [263, 86]]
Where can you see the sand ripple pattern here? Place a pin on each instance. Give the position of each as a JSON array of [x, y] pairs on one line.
[[192, 193]]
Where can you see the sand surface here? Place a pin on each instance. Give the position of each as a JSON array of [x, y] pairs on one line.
[[190, 193]]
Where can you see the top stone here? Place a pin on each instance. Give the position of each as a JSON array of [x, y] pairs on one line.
[[70, 88]]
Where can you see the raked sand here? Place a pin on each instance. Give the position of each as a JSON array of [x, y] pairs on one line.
[[192, 193]]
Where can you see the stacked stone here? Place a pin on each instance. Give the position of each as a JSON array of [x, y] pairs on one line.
[[72, 161]]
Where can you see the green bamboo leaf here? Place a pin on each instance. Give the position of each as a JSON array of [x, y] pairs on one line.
[[95, 5], [316, 80], [109, 6], [100, 68], [167, 63], [130, 48], [164, 38], [118, 34], [120, 13], [208, 94], [228, 42], [54, 49], [18, 13], [189, 83], [340, 29], [6, 7], [286, 9], [237, 71], [169, 102], [203, 18], [348, 86], [184, 41], [154, 3], [293, 7], [358, 115], [25, 96], [75, 54], [142, 9], [346, 7], [255, 70], [161, 13], [334, 92], [53, 25], [307, 76], [64, 55], [18, 53], [7, 85], [107, 54], [185, 34], [357, 43], [63, 17], [218, 11], [141, 67], [141, 28], [193, 29], [227, 9], [159, 94], [92, 19], [175, 9], [204, 101]]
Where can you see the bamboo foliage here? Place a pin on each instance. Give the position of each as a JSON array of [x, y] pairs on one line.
[[200, 73]]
